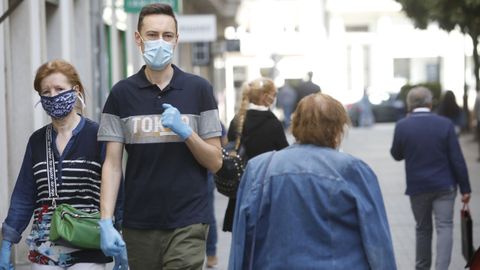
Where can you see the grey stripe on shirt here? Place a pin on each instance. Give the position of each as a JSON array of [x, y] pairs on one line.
[[149, 129]]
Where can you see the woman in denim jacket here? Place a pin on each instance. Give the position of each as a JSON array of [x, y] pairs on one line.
[[310, 206]]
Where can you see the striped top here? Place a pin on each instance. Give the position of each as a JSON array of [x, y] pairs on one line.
[[78, 172]]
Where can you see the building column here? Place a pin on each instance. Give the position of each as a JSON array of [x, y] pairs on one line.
[[66, 29], [382, 61], [25, 51], [114, 45], [4, 182], [81, 49]]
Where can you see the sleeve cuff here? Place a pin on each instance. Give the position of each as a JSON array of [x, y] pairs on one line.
[[10, 234], [108, 138], [465, 190]]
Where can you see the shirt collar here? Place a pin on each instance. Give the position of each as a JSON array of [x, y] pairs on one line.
[[252, 106], [421, 109], [142, 81], [77, 129]]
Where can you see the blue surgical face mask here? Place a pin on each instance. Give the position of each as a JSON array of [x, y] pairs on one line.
[[157, 53], [60, 105]]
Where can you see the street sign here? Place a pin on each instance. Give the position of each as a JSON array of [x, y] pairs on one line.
[[134, 6], [197, 28]]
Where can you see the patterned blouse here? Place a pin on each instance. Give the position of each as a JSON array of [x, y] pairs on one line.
[[78, 171]]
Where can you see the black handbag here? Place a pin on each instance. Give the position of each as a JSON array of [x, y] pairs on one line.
[[228, 177], [467, 233], [474, 263]]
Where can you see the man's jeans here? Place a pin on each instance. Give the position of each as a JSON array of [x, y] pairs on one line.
[[440, 204], [212, 229]]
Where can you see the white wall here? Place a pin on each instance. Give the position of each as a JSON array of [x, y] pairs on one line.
[[4, 183]]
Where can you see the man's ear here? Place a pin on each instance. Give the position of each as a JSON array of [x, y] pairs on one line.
[[176, 42], [138, 39]]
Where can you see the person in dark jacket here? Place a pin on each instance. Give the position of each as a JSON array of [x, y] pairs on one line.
[[307, 87], [260, 129], [449, 108], [287, 101], [435, 167]]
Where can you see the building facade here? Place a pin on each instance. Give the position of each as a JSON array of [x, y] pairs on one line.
[[350, 46], [97, 37]]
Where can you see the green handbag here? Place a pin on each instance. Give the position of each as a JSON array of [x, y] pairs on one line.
[[69, 226], [75, 227]]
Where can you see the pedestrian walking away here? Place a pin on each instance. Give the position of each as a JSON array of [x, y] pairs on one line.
[[307, 87], [260, 129], [77, 160], [310, 206], [212, 238], [167, 120], [366, 117], [435, 168], [449, 108], [287, 101]]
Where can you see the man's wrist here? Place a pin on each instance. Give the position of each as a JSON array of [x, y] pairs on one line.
[[186, 133]]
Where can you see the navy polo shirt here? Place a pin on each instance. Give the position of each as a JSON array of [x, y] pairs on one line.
[[165, 186]]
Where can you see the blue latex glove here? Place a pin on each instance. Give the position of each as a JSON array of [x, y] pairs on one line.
[[111, 241], [121, 261], [172, 119], [5, 252]]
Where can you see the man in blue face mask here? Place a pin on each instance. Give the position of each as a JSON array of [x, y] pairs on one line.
[[168, 122]]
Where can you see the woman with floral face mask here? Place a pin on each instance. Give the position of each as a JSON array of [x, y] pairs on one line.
[[77, 158]]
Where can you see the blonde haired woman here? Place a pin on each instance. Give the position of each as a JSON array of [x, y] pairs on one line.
[[260, 129]]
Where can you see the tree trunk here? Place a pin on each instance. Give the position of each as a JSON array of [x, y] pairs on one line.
[[476, 61], [476, 69], [476, 65]]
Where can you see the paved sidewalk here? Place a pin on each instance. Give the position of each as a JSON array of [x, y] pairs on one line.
[[373, 146]]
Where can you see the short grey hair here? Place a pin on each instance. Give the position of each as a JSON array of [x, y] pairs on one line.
[[419, 97]]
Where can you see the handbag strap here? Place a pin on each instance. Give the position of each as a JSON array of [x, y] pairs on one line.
[[51, 174], [465, 207], [262, 179]]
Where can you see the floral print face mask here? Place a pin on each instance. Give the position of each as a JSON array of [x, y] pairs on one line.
[[60, 105]]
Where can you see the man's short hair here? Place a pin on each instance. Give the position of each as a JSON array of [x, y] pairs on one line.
[[320, 120], [153, 9], [419, 97]]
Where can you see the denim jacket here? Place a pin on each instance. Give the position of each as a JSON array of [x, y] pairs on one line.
[[313, 208]]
